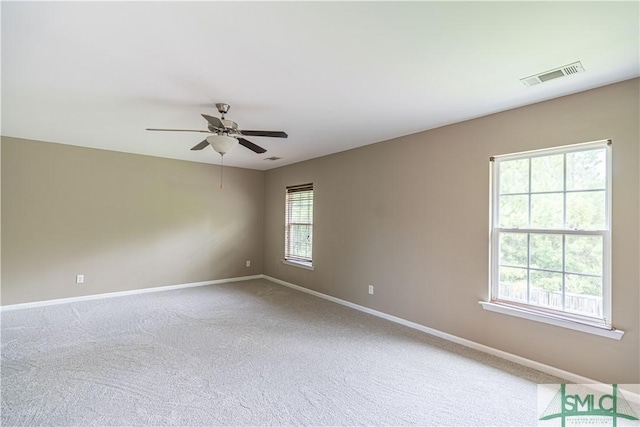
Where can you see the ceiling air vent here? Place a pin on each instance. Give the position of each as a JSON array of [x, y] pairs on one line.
[[566, 70], [273, 158]]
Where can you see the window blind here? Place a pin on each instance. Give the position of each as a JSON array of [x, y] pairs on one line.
[[299, 223]]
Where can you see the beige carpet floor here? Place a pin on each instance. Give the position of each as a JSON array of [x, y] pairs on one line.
[[246, 353]]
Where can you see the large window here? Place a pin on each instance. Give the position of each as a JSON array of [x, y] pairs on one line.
[[299, 224], [550, 233]]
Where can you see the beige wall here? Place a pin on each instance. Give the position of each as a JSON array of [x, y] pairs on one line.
[[125, 221], [411, 216]]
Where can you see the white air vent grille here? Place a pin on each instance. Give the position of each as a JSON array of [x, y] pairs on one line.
[[572, 69], [566, 70]]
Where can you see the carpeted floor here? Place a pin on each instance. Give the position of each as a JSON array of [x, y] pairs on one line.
[[246, 353]]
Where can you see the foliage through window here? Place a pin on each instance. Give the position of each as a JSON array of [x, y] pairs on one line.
[[299, 224], [550, 231]]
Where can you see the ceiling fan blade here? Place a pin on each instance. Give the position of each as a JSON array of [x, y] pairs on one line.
[[214, 121], [200, 146], [179, 130], [270, 133], [251, 146]]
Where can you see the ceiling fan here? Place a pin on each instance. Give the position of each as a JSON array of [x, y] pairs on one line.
[[225, 133]]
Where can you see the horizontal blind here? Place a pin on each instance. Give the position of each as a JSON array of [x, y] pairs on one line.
[[299, 223]]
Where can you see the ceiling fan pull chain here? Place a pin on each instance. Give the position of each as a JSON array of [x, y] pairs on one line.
[[221, 170]]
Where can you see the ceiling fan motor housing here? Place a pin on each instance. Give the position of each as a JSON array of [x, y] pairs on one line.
[[229, 125]]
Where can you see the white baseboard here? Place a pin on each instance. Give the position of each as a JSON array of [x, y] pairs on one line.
[[125, 293], [569, 376]]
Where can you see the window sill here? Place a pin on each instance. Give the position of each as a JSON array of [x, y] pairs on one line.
[[552, 320], [299, 264]]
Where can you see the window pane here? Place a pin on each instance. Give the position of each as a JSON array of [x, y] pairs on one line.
[[584, 254], [513, 284], [302, 211], [514, 211], [300, 240], [583, 295], [546, 210], [586, 210], [546, 289], [547, 173], [546, 251], [539, 199], [587, 170], [514, 176], [513, 249]]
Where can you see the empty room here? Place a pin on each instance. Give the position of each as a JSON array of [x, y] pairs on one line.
[[320, 213]]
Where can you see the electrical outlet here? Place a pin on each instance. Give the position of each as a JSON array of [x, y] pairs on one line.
[[370, 289], [248, 263], [80, 278]]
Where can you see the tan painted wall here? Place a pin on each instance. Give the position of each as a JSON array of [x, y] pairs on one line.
[[411, 216], [125, 221]]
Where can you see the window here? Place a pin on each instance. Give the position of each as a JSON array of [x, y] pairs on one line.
[[550, 232], [299, 225]]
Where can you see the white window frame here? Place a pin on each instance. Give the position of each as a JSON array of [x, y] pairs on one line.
[[289, 259], [594, 325]]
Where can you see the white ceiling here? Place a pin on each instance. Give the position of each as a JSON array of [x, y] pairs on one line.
[[333, 75]]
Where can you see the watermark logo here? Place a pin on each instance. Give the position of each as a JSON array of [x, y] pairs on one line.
[[588, 405]]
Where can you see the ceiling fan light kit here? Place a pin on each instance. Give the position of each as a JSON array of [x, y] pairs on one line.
[[222, 143]]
